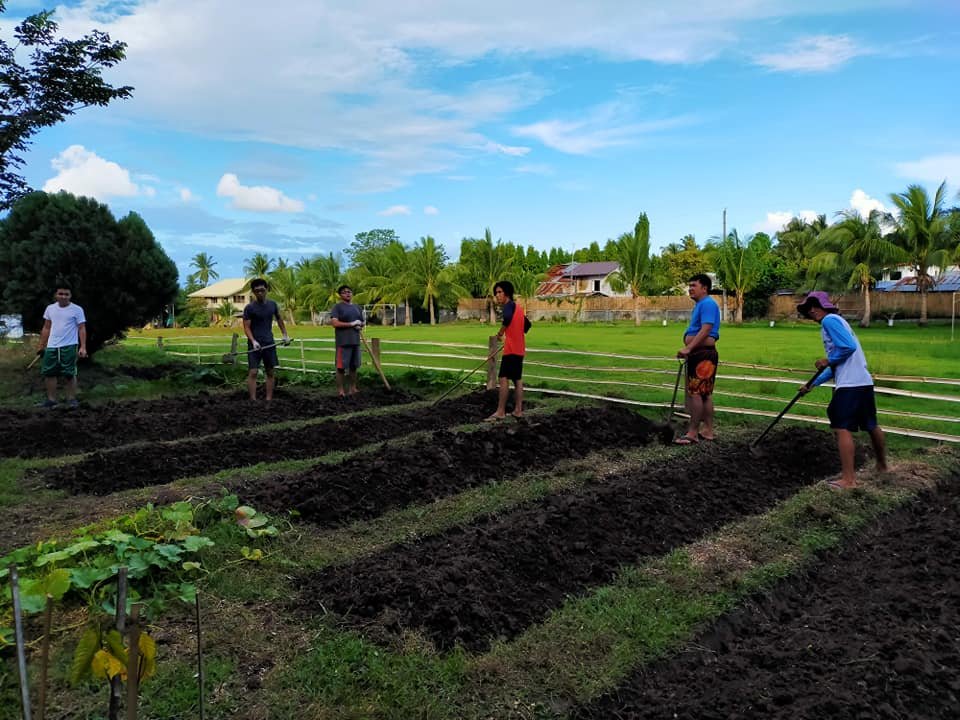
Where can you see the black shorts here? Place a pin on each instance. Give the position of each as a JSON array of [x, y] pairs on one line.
[[511, 367], [267, 356], [853, 408]]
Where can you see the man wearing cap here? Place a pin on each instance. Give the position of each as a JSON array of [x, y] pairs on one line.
[[852, 406]]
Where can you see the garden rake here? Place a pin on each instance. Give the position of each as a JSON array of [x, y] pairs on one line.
[[753, 446], [462, 380]]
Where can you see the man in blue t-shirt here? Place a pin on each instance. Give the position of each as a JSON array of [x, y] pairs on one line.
[[853, 406], [700, 352], [258, 319]]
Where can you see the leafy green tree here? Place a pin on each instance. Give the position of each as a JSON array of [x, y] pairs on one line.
[[924, 233], [204, 271], [258, 266], [225, 313], [859, 248], [62, 76], [558, 256], [738, 264], [593, 253], [118, 273], [377, 239], [682, 261], [633, 254]]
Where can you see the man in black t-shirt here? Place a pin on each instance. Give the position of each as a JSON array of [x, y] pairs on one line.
[[258, 327]]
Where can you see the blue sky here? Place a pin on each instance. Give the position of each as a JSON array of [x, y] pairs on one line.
[[290, 126]]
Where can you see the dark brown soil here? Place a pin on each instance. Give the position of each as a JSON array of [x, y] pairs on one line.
[[872, 632], [145, 464], [448, 462], [50, 433], [496, 577]]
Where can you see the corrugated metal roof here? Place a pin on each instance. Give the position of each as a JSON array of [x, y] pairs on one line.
[[592, 269], [548, 289], [950, 282]]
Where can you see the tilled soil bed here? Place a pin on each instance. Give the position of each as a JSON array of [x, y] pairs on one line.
[[49, 433], [872, 632], [494, 578], [448, 462], [142, 465]]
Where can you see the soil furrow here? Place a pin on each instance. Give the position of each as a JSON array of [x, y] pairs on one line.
[[496, 577], [368, 485], [108, 471], [50, 433], [872, 632]]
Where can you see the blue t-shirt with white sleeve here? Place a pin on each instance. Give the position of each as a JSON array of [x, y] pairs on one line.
[[848, 364], [705, 311]]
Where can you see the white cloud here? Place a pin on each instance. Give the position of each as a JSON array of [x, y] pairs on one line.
[[258, 198], [775, 221], [82, 172], [354, 77], [186, 196], [514, 150], [864, 204], [395, 210], [430, 210], [816, 53], [932, 169]]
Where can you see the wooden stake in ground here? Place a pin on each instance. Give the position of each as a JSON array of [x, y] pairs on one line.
[[18, 634], [376, 362], [133, 663], [199, 653], [116, 684]]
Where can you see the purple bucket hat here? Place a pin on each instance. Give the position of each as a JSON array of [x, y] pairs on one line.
[[819, 299]]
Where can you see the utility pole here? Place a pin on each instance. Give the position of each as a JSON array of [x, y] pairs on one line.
[[723, 314]]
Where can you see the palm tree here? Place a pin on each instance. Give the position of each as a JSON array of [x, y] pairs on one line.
[[738, 264], [859, 246], [225, 312], [204, 273], [319, 279], [432, 277], [487, 263], [795, 243], [633, 254], [258, 266], [284, 286], [385, 275], [924, 232]]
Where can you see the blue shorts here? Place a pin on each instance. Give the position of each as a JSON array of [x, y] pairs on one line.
[[853, 408], [348, 358]]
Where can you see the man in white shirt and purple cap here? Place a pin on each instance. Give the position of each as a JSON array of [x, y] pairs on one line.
[[852, 406]]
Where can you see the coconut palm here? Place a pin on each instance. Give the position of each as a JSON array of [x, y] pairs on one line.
[[258, 266], [284, 287], [319, 279], [225, 312], [431, 276], [204, 273], [856, 245], [924, 232], [795, 243], [486, 263], [633, 254], [738, 264]]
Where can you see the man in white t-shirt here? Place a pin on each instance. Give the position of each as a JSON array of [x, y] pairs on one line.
[[62, 340]]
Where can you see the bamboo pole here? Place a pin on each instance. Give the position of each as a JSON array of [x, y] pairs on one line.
[[199, 653], [45, 658], [18, 634], [116, 684], [133, 663]]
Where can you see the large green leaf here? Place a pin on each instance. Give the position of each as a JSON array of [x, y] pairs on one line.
[[196, 542], [82, 657]]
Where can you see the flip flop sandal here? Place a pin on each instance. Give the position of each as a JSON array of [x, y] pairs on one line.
[[686, 440], [702, 438], [494, 419]]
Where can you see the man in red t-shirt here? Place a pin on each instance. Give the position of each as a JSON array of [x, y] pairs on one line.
[[514, 348]]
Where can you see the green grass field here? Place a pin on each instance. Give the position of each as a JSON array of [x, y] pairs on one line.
[[785, 353]]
